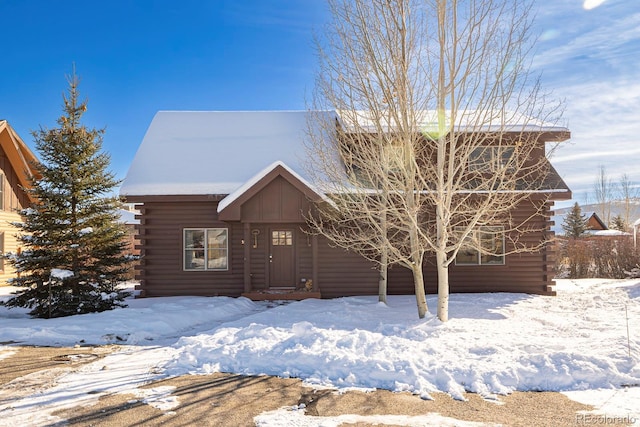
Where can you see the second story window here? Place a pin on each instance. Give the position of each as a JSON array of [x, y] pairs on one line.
[[491, 159]]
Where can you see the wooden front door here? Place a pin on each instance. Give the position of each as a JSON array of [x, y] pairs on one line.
[[282, 259]]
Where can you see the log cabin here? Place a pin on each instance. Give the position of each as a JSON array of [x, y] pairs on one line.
[[223, 196]]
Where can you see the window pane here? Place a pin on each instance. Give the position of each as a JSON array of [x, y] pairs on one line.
[[194, 259], [193, 239], [217, 238], [217, 259], [480, 159], [217, 249], [281, 238], [492, 242], [467, 255], [505, 157]]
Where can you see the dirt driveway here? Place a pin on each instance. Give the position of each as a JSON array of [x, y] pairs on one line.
[[234, 400]]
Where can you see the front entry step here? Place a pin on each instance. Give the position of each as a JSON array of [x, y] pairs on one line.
[[277, 294]]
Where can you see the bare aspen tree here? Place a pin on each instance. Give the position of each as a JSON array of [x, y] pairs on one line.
[[367, 75], [628, 195], [492, 160], [437, 137], [604, 190]]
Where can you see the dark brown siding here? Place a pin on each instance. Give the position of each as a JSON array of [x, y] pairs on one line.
[[279, 201], [161, 271], [259, 257], [343, 273], [529, 272], [340, 273]]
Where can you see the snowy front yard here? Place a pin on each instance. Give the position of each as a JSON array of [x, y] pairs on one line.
[[576, 342]]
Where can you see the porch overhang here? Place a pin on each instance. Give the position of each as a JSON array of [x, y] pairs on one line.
[[230, 208]]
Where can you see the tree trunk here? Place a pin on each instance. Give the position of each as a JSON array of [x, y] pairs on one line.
[[443, 287], [382, 284], [421, 298], [384, 254]]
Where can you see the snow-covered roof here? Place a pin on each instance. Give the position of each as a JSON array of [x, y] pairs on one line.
[[607, 233], [218, 152], [214, 152], [471, 120]]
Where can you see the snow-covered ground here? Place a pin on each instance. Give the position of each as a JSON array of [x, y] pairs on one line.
[[585, 342]]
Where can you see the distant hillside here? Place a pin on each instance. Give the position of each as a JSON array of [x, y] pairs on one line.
[[617, 207]]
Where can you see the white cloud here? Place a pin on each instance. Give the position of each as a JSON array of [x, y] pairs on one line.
[[592, 4], [592, 61]]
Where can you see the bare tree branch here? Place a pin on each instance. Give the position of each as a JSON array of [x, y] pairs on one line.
[[439, 136]]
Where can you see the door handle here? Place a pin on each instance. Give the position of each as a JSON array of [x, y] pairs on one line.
[[270, 258]]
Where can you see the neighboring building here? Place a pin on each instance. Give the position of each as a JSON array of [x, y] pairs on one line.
[[16, 168], [595, 225], [128, 218], [223, 198]]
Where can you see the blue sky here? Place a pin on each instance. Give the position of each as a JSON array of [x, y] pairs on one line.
[[135, 58]]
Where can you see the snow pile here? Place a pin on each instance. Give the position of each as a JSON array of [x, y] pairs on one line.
[[151, 321], [494, 344]]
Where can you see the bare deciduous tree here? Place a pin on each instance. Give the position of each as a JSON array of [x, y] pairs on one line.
[[438, 133], [604, 190], [628, 195]]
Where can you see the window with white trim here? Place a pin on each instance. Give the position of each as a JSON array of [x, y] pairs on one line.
[[484, 246], [206, 249], [491, 159]]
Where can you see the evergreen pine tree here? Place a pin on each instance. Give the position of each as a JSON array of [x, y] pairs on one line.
[[575, 223], [618, 223], [73, 255]]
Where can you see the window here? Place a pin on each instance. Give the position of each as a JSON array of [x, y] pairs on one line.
[[490, 159], [281, 238], [484, 246], [206, 249]]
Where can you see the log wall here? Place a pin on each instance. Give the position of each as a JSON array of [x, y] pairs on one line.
[[340, 273]]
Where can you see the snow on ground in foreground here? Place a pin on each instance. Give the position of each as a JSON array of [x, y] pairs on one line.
[[493, 344], [292, 417]]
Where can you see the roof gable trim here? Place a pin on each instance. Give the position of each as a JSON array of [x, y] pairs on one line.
[[20, 157], [264, 177]]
